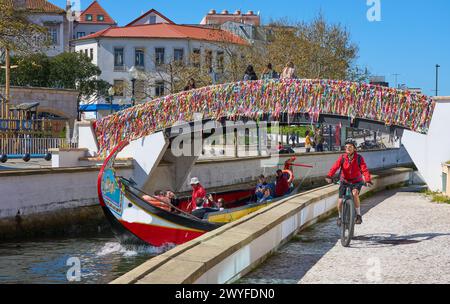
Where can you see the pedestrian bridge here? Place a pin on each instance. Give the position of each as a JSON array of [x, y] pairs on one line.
[[291, 101]]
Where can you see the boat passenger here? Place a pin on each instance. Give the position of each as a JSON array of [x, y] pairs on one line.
[[267, 196], [260, 187], [197, 192], [158, 200], [220, 204], [282, 184], [201, 209]]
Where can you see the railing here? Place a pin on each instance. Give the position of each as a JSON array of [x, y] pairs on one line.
[[50, 127], [12, 146]]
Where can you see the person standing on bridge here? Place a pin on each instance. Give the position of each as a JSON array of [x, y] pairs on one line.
[[250, 74], [354, 171]]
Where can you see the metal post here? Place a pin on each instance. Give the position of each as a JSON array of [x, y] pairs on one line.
[[437, 79], [133, 82]]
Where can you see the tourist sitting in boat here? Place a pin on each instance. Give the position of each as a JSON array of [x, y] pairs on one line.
[[282, 184], [267, 196], [260, 187], [158, 200], [220, 204], [174, 201], [197, 192], [201, 210]]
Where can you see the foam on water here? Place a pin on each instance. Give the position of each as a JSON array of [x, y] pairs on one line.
[[131, 250]]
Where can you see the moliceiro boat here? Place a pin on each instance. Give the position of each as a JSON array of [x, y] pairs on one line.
[[136, 221]]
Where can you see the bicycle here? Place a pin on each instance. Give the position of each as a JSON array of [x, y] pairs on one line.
[[348, 215]]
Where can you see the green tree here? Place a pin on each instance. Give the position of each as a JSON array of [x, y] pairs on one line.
[[32, 70]]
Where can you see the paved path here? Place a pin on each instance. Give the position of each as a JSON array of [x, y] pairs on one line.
[[405, 238]]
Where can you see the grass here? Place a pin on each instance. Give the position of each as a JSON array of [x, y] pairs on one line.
[[437, 197]]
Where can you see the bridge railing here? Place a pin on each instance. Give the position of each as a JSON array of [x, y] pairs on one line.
[[19, 146]]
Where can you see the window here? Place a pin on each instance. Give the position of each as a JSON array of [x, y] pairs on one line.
[[139, 58], [91, 55], [118, 87], [118, 58], [159, 56], [196, 58], [159, 88], [178, 55], [86, 52], [220, 62], [152, 19], [88, 17], [53, 34], [208, 60], [81, 34], [100, 18]]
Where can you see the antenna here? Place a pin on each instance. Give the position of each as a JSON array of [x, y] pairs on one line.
[[396, 75]]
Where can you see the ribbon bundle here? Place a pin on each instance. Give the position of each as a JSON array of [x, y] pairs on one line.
[[252, 99]]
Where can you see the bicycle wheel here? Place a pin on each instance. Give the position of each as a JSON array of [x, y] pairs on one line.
[[348, 222]]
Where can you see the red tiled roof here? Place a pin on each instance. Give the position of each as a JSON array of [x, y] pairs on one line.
[[171, 31], [96, 9], [148, 13], [38, 6]]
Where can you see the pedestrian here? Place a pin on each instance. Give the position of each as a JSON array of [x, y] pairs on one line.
[[288, 71], [269, 73], [319, 140], [308, 142], [190, 85], [250, 74]]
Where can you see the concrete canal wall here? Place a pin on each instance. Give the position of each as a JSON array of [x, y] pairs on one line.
[[229, 252], [226, 172], [42, 202], [47, 201]]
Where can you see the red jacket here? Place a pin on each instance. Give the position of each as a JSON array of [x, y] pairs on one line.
[[351, 172], [282, 186], [198, 192]]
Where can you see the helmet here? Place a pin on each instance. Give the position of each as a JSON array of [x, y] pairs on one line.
[[350, 141]]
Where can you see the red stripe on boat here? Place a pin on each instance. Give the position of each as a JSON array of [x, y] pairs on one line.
[[158, 235]]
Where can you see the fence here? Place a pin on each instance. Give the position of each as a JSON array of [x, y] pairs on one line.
[[12, 146]]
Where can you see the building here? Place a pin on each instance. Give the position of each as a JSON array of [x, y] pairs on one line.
[[214, 18], [91, 20], [52, 17], [144, 46]]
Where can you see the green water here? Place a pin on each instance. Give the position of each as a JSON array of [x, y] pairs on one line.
[[101, 260]]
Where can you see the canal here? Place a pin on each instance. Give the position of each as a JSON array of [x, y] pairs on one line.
[[101, 259]]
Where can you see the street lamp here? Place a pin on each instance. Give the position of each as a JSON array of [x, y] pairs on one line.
[[111, 93], [134, 75], [437, 78]]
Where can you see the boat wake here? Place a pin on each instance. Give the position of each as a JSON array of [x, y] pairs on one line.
[[132, 250]]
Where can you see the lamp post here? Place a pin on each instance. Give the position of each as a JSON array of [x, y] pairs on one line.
[[111, 93], [134, 75], [437, 78]]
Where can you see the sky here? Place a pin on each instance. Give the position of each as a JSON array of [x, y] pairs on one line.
[[411, 37]]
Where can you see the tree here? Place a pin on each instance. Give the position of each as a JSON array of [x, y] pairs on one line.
[[76, 71], [32, 70], [17, 32]]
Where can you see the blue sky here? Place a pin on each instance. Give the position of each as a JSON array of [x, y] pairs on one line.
[[411, 38]]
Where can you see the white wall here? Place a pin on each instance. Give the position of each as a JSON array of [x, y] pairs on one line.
[[43, 191], [430, 151], [40, 19], [88, 45], [88, 28], [105, 55]]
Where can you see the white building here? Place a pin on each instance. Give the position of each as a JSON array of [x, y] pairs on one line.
[[53, 18], [147, 43], [91, 20]]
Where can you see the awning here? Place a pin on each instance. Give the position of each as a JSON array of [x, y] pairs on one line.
[[102, 107]]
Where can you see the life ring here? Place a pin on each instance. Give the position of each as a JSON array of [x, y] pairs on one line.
[[291, 175]]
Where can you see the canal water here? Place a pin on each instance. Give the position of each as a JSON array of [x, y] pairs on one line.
[[101, 259]]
